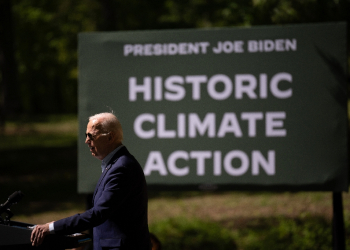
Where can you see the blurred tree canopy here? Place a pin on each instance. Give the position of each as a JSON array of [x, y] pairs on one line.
[[44, 39]]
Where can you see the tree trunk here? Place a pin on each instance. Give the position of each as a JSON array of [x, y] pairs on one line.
[[9, 102]]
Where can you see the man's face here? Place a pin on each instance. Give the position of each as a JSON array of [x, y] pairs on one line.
[[99, 143]]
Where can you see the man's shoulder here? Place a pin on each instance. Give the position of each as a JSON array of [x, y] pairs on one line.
[[123, 157], [125, 165]]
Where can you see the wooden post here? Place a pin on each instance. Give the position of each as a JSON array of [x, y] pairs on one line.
[[338, 222]]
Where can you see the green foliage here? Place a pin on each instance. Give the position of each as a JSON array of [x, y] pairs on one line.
[[185, 234], [299, 11], [306, 233], [46, 52], [302, 233]]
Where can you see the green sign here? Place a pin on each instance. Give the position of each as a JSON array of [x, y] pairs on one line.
[[260, 108]]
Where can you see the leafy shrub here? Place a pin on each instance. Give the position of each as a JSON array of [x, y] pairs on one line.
[[307, 233], [185, 234]]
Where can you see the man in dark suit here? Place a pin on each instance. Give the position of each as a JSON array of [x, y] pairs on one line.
[[119, 212]]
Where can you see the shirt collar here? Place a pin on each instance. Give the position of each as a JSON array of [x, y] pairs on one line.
[[106, 160]]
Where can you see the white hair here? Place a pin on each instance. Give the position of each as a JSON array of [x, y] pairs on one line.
[[108, 122]]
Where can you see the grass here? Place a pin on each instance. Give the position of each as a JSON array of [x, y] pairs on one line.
[[28, 146], [40, 132]]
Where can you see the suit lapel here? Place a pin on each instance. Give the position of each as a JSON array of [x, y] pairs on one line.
[[120, 152]]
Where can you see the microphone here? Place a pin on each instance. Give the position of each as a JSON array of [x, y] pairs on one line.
[[13, 199]]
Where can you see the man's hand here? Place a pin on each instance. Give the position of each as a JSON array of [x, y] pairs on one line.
[[39, 233]]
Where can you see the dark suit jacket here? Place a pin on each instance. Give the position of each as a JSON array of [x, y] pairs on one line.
[[119, 213]]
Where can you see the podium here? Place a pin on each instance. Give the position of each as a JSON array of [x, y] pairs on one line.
[[16, 236]]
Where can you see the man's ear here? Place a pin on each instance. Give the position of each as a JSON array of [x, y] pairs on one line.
[[111, 137]]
